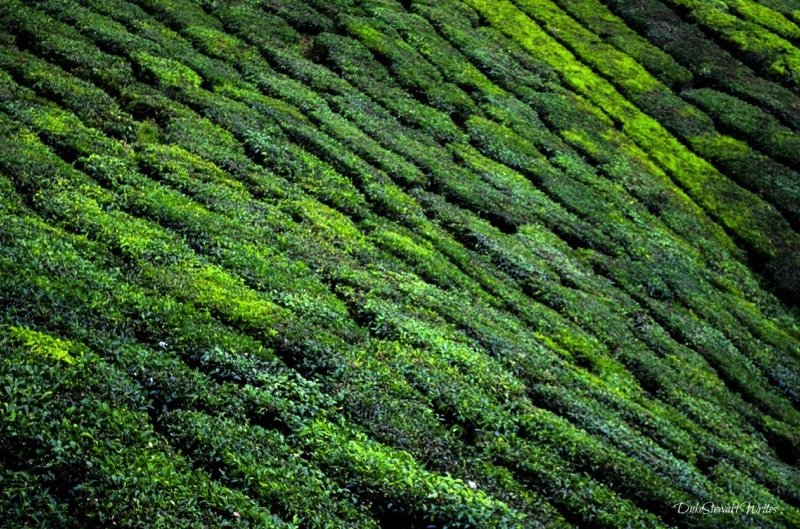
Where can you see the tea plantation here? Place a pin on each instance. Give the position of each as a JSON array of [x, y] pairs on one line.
[[385, 264]]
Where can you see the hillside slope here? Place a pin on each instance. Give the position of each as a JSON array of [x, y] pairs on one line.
[[420, 264]]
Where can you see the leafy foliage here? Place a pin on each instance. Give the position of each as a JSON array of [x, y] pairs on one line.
[[425, 264]]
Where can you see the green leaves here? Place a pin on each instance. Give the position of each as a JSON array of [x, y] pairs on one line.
[[365, 264], [168, 73]]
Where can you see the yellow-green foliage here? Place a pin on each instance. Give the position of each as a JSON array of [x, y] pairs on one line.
[[741, 211], [167, 72], [779, 56], [42, 344], [764, 16]]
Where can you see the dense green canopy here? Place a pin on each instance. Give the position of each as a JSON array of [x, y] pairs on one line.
[[424, 264]]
